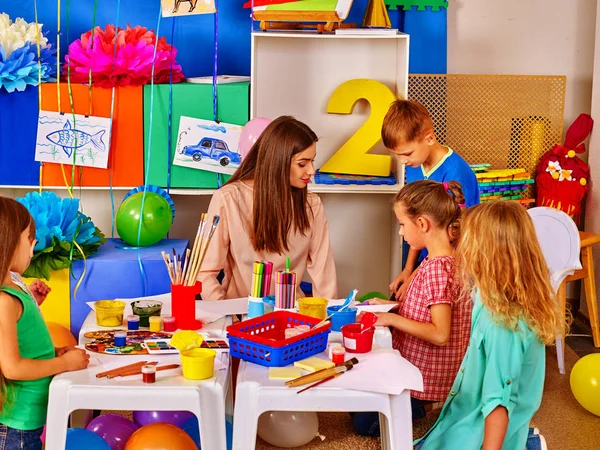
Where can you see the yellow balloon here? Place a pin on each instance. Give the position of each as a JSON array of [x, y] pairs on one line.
[[585, 382], [61, 337]]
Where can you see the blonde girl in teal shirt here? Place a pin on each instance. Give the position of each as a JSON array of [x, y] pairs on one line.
[[499, 385]]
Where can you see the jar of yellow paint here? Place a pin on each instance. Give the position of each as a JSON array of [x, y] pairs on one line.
[[313, 307], [109, 313], [154, 323]]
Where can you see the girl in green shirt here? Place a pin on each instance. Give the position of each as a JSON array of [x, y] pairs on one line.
[[28, 359], [499, 385]]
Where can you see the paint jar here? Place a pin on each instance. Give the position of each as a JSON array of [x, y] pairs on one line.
[[149, 373], [256, 307], [198, 364], [269, 302], [133, 322], [339, 319], [145, 309], [169, 324], [330, 348], [120, 338], [313, 306], [355, 341], [154, 323], [303, 329], [109, 313], [338, 355], [291, 332]]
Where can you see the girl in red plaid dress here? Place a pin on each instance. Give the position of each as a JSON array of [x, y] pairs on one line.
[[432, 326]]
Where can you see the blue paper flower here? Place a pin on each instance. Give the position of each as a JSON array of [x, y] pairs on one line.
[[58, 222], [21, 68]]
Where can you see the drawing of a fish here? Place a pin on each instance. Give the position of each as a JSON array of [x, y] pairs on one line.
[[215, 128], [69, 138]]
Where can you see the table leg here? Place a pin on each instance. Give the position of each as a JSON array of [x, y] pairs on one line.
[[399, 436], [590, 292], [58, 418], [245, 417]]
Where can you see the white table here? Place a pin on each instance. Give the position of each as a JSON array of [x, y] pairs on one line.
[[81, 390], [256, 394]]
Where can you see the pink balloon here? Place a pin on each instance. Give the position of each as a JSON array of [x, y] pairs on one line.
[[250, 134]]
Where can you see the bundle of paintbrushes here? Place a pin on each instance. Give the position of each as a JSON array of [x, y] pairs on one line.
[[285, 288], [261, 278], [184, 271], [321, 376]]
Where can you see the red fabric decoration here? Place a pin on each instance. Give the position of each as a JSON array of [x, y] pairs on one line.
[[561, 177]]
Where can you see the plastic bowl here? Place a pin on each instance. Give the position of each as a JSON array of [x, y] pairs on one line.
[[313, 306], [339, 319], [198, 364], [109, 313], [355, 341], [145, 309]]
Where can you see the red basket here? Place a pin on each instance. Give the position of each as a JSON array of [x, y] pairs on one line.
[[262, 340]]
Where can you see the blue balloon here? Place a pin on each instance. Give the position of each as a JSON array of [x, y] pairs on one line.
[[192, 429], [80, 438]]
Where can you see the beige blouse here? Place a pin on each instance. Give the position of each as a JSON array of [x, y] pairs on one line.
[[231, 249]]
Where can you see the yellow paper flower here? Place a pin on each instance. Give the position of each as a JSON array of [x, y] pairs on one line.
[[553, 166], [565, 175]]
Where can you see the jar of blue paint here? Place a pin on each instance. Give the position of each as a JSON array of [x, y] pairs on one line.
[[133, 322], [120, 338], [339, 319]]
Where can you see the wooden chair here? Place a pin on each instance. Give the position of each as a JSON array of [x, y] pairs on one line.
[[586, 273]]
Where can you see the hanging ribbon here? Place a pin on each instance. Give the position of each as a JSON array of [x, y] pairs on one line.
[[112, 110], [215, 71], [39, 55], [170, 112], [150, 128], [90, 110]]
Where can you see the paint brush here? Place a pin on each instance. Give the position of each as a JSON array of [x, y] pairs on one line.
[[205, 243], [185, 265], [337, 374], [138, 371], [321, 374], [195, 249]]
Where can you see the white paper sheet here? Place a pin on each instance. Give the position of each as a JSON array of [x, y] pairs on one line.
[[381, 370], [61, 135]]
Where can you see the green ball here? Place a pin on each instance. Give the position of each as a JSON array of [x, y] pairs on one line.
[[156, 221]]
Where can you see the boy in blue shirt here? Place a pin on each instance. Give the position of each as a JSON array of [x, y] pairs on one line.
[[407, 132]]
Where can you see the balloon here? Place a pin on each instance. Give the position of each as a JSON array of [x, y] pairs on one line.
[[177, 418], [114, 429], [80, 438], [250, 133], [585, 382], [156, 222], [160, 436], [61, 337], [288, 428]]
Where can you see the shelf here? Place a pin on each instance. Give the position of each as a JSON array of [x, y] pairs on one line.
[[317, 188], [311, 34]]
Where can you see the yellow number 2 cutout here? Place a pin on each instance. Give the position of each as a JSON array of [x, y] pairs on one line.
[[353, 157]]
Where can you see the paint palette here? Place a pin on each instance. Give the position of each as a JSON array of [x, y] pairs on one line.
[[103, 342], [160, 347]]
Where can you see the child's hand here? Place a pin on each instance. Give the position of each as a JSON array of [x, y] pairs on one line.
[[59, 351], [385, 319], [40, 291], [398, 281], [380, 301], [76, 359]]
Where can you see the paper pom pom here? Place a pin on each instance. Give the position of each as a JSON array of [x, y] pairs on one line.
[[58, 221], [18, 55], [132, 64]]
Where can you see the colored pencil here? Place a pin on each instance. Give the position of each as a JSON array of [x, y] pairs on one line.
[[118, 369], [138, 371]]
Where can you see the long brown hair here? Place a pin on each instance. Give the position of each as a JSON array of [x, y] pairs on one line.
[[440, 202], [14, 219], [499, 253], [268, 165]]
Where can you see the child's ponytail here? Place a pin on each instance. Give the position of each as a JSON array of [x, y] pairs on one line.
[[443, 203]]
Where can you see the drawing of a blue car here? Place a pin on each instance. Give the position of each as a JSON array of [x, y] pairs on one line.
[[214, 149]]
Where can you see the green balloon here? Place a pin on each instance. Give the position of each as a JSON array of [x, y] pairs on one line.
[[156, 222]]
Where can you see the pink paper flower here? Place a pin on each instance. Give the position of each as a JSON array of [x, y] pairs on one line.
[[130, 65]]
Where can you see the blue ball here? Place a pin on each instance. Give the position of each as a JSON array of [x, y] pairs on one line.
[[80, 438]]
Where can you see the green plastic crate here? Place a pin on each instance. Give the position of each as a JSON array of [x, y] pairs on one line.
[[192, 100]]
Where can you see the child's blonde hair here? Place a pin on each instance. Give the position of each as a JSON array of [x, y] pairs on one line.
[[499, 254], [405, 121], [441, 202]]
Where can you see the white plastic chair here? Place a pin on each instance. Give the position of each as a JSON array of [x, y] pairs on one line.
[[559, 239]]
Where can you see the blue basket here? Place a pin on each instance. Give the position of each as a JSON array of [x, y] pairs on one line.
[[262, 340]]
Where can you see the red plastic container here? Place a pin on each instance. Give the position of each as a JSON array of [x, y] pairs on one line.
[[355, 341], [183, 305]]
